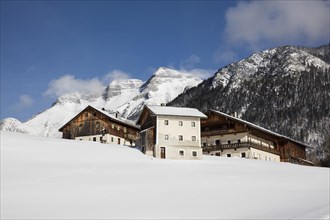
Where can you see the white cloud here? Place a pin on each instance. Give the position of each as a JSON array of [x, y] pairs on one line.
[[200, 73], [190, 62], [25, 101], [257, 22], [69, 84], [116, 75]]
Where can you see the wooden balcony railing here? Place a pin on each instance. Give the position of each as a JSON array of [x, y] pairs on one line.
[[215, 147]]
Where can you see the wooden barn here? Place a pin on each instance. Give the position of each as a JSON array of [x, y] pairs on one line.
[[230, 136], [93, 124]]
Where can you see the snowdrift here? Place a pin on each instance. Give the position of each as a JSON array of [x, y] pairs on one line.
[[53, 179]]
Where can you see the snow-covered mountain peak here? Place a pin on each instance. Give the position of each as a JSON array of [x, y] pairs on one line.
[[118, 87], [11, 124], [163, 72], [69, 98], [125, 84], [126, 96], [282, 60]]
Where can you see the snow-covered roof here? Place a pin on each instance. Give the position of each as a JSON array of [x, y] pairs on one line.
[[119, 119], [175, 111], [259, 128], [106, 113]]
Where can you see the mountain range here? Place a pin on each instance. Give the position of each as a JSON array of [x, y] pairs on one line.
[[284, 89], [124, 96]]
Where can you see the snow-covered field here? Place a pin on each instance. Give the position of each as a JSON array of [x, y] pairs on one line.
[[53, 179]]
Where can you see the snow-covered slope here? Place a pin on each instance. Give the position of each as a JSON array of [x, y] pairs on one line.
[[11, 124], [126, 96], [44, 178]]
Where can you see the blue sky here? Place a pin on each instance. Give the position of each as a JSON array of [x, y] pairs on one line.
[[46, 45]]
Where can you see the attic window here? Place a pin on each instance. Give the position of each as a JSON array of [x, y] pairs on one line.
[[94, 113], [86, 115]]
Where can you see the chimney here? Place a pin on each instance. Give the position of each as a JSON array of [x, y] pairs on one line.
[[117, 113], [234, 114], [103, 109]]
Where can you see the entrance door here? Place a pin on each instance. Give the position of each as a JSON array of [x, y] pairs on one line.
[[162, 152], [217, 142]]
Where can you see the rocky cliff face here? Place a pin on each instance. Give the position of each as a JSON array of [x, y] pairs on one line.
[[285, 89]]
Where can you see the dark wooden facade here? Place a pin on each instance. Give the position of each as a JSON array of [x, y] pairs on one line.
[[147, 122], [92, 121], [219, 123]]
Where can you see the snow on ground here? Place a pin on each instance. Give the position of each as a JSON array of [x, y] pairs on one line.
[[53, 178]]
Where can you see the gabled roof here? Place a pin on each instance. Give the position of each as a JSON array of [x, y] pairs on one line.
[[120, 120], [172, 111], [259, 128], [175, 111]]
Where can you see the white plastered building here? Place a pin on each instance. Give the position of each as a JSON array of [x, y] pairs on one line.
[[171, 132]]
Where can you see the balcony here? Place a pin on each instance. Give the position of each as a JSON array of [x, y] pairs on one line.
[[220, 147]]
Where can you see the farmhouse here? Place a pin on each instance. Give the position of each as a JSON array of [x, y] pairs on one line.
[[171, 132], [229, 136], [93, 124]]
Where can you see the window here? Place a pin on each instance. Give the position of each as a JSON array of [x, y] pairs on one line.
[[180, 137], [112, 126], [118, 140], [239, 141], [194, 153], [80, 139], [80, 128], [180, 123], [204, 144], [193, 124], [111, 139], [125, 129], [101, 139], [217, 142], [94, 114], [217, 154], [228, 155], [97, 125], [94, 138], [86, 115], [166, 137], [193, 138], [229, 142], [118, 128], [243, 154], [181, 152], [165, 122]]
